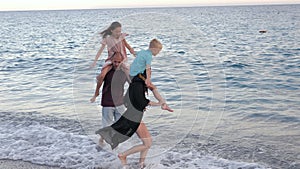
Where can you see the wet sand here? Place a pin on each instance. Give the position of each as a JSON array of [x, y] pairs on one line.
[[17, 164]]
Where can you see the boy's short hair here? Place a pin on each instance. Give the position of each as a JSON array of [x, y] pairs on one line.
[[154, 43]]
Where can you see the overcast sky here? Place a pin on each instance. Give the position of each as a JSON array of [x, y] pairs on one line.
[[95, 4]]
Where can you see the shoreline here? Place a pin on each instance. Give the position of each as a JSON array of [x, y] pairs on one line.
[[19, 164]]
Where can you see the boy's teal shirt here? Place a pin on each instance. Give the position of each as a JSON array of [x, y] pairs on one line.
[[143, 58]]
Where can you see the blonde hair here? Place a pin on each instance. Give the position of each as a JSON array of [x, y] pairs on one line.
[[154, 43]]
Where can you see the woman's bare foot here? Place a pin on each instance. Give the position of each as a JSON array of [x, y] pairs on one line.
[[164, 106], [122, 158], [101, 141], [142, 165]]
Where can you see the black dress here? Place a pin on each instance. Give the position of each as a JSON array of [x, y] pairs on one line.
[[136, 102]]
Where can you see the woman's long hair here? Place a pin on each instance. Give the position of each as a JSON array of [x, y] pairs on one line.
[[112, 26]]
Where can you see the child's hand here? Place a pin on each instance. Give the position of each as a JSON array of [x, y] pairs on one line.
[[132, 52], [93, 64]]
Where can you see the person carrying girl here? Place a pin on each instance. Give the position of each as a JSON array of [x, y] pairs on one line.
[[115, 41], [136, 103]]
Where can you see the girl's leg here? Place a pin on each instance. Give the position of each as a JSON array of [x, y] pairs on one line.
[[100, 79], [145, 136]]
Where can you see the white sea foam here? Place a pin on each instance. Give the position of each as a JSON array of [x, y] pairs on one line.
[[45, 145]]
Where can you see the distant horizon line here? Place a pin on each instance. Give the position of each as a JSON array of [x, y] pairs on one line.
[[143, 7]]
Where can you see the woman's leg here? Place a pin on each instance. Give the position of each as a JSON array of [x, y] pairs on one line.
[[145, 136]]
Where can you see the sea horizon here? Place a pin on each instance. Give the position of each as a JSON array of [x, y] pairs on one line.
[[154, 7]]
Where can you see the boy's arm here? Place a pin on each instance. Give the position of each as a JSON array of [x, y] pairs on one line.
[[148, 73], [129, 47], [98, 55]]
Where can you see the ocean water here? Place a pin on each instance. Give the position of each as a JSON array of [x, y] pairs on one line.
[[235, 91]]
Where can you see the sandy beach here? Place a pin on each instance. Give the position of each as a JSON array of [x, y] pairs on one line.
[[12, 164]]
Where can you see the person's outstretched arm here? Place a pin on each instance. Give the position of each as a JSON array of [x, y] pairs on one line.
[[129, 47]]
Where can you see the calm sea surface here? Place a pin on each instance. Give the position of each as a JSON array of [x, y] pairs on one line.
[[235, 91]]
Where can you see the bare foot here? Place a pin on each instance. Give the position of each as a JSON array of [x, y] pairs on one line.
[[164, 106], [142, 165], [101, 141], [122, 158], [93, 99]]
